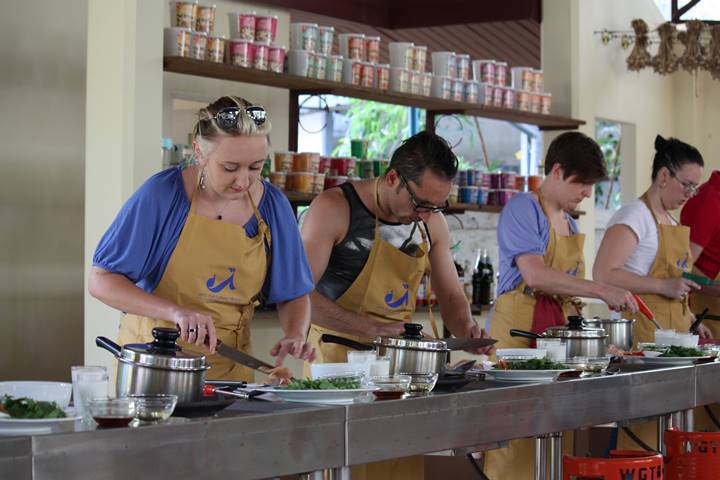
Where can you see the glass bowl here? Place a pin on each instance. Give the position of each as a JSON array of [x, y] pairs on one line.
[[112, 412], [390, 387], [422, 383], [154, 408]]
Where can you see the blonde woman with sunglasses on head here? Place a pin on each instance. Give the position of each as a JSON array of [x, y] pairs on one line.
[[197, 247]]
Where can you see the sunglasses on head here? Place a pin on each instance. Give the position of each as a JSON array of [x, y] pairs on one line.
[[227, 118]]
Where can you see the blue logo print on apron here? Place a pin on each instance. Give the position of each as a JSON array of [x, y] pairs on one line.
[[228, 282], [403, 300]]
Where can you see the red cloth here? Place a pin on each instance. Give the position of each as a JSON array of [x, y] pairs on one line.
[[700, 213], [547, 313]]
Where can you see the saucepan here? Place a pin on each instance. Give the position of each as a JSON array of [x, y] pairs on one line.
[[619, 331], [580, 341]]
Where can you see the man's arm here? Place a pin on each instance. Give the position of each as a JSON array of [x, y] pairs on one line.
[[326, 224]]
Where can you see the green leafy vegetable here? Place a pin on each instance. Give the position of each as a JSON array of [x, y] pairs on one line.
[[533, 364], [676, 351], [340, 383], [29, 408]]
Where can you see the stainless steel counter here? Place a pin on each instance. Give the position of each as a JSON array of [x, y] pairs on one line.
[[260, 442]]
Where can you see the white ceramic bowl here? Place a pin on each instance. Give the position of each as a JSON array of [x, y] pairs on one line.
[[686, 340], [323, 370], [521, 353], [58, 392]]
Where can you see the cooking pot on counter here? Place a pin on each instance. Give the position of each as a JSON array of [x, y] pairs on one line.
[[579, 340], [160, 366], [413, 354], [619, 331]]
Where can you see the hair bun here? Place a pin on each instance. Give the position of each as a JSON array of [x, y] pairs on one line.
[[660, 143]]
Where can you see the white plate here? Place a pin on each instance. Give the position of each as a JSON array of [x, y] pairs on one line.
[[38, 426], [58, 392], [526, 375], [335, 397], [667, 361]]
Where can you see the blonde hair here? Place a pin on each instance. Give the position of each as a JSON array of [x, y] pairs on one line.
[[206, 129]]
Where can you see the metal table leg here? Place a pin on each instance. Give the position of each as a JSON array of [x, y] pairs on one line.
[[556, 456], [541, 449], [689, 418], [678, 420], [662, 425], [341, 473]]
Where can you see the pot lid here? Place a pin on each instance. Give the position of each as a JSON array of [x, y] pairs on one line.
[[412, 339], [575, 329], [163, 353], [597, 320]]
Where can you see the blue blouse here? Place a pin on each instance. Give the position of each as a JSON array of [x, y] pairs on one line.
[[143, 236]]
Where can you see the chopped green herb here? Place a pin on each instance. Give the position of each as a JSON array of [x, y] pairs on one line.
[[340, 383], [676, 351], [29, 408], [533, 364]]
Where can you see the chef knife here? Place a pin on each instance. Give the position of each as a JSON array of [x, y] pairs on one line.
[[468, 343], [243, 358]]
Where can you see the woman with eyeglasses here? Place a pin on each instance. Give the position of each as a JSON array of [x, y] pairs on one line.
[[197, 247], [646, 250]]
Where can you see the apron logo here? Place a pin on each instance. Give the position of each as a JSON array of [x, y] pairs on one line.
[[228, 282], [683, 262], [403, 300], [573, 271]]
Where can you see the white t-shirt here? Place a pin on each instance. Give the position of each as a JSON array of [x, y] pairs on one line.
[[638, 218]]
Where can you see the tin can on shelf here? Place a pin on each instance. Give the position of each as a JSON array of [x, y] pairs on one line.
[[284, 161], [318, 182], [495, 180], [367, 75], [535, 99], [264, 29], [352, 46], [508, 97], [261, 57], [472, 91], [304, 36], [198, 46], [415, 82], [216, 48], [334, 69], [545, 103], [383, 76], [177, 42], [453, 195], [300, 182], [352, 70], [342, 167], [462, 178], [183, 14], [279, 179], [468, 194], [359, 148], [442, 87], [485, 180], [498, 96], [524, 101], [241, 52], [534, 182], [482, 196], [242, 26], [365, 169], [326, 35], [320, 70], [458, 90], [205, 19], [462, 63], [538, 81], [306, 162], [486, 93], [484, 71], [324, 165], [427, 79], [522, 78], [507, 180], [372, 49], [276, 59], [520, 183], [419, 58], [501, 73], [379, 166], [400, 79], [331, 181]]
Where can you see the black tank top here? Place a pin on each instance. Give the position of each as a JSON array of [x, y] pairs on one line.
[[348, 257]]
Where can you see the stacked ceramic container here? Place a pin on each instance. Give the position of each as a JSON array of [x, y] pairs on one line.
[[252, 42], [191, 34]]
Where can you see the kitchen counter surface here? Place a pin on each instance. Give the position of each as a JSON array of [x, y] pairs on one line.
[[260, 439]]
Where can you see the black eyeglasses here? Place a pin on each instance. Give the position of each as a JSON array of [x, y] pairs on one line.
[[227, 118], [689, 187], [420, 207]]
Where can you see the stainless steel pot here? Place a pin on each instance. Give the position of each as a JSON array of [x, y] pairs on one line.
[[619, 331], [580, 341], [413, 354], [160, 366]]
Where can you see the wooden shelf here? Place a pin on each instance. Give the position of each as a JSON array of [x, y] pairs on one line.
[[304, 85]]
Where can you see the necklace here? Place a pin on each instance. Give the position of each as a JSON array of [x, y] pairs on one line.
[[219, 213]]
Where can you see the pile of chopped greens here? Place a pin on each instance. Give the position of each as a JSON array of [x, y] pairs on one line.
[[533, 364], [676, 351], [339, 383], [29, 408]]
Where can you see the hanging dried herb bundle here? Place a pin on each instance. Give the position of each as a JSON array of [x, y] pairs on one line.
[[639, 57], [694, 54], [665, 61], [712, 60]]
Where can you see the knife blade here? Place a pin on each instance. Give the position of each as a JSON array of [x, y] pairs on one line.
[[468, 343], [243, 358]]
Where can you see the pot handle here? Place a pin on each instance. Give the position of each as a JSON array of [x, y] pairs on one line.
[[109, 345], [522, 333], [346, 342]]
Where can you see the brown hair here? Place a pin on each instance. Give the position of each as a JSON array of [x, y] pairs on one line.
[[579, 156]]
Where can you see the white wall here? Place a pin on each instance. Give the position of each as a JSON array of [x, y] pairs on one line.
[[697, 114], [42, 129]]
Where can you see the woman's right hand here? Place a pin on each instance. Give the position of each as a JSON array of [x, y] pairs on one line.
[[196, 328], [618, 299], [678, 288]]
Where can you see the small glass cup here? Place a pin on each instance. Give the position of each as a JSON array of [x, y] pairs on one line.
[[361, 356], [556, 349], [112, 412], [88, 382], [154, 408], [380, 367]]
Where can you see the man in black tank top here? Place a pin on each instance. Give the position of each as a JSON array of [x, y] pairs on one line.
[[369, 242]]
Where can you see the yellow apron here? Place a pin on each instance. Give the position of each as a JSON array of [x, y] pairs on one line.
[[385, 289], [514, 309], [218, 270], [671, 260], [700, 302]]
